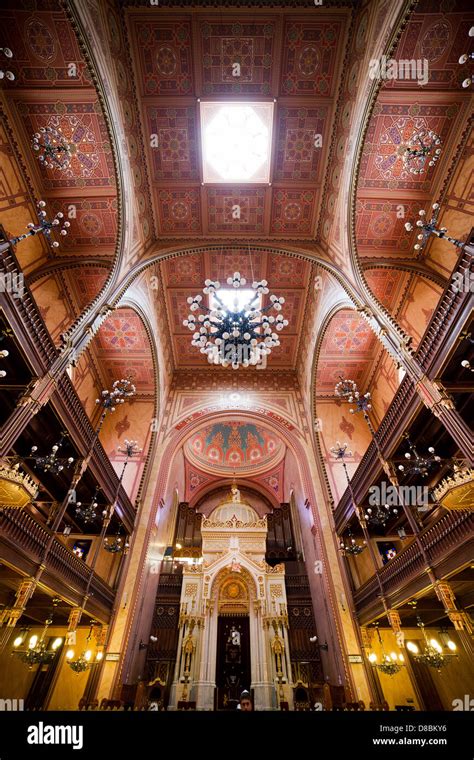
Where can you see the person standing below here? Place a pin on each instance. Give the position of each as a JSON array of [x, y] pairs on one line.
[[246, 704]]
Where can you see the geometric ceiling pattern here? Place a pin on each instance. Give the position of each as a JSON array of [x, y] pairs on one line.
[[53, 88], [291, 58], [185, 275], [388, 195], [295, 60], [122, 348], [349, 348]]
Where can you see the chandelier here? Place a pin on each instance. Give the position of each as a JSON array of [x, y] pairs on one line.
[[432, 654], [347, 389], [416, 464], [87, 512], [350, 545], [44, 226], [420, 147], [51, 462], [464, 58], [380, 515], [37, 652], [115, 544], [121, 389], [84, 661], [53, 150], [238, 335], [430, 228], [390, 664], [6, 74]]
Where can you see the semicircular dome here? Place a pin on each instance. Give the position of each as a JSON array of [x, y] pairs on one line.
[[227, 511], [234, 446]]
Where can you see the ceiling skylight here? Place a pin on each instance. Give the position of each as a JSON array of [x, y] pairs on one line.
[[234, 300], [236, 142]]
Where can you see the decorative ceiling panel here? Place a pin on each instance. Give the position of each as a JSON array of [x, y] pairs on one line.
[[123, 349], [93, 222], [172, 142], [391, 126], [301, 134], [236, 210], [251, 265], [85, 284], [188, 60], [82, 124], [180, 210], [310, 54], [46, 52], [165, 55], [349, 348], [293, 211], [387, 285], [187, 271], [380, 225], [237, 56], [234, 446], [437, 32]]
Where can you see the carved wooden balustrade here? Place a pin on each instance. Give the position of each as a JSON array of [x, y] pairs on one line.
[[37, 346], [448, 543], [446, 323], [22, 543]]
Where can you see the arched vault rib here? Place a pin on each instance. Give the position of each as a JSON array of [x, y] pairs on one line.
[[413, 267], [64, 264]]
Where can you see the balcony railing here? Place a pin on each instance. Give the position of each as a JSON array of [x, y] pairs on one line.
[[441, 334], [22, 544], [33, 335], [448, 543]]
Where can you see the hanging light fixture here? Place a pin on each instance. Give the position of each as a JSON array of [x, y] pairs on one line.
[[87, 512], [37, 652], [115, 543], [121, 389], [51, 462], [86, 658], [44, 226], [7, 53], [53, 150], [380, 515], [430, 228], [422, 147], [350, 545], [432, 654], [416, 464], [391, 664], [240, 334], [464, 58], [467, 336]]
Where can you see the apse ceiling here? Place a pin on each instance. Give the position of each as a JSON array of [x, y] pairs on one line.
[[240, 447]]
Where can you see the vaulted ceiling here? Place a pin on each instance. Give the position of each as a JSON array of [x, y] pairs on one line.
[[163, 62], [294, 58], [288, 277]]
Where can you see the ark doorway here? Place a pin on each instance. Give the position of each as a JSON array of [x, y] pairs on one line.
[[233, 659]]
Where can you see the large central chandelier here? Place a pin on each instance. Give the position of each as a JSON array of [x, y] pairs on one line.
[[239, 333]]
